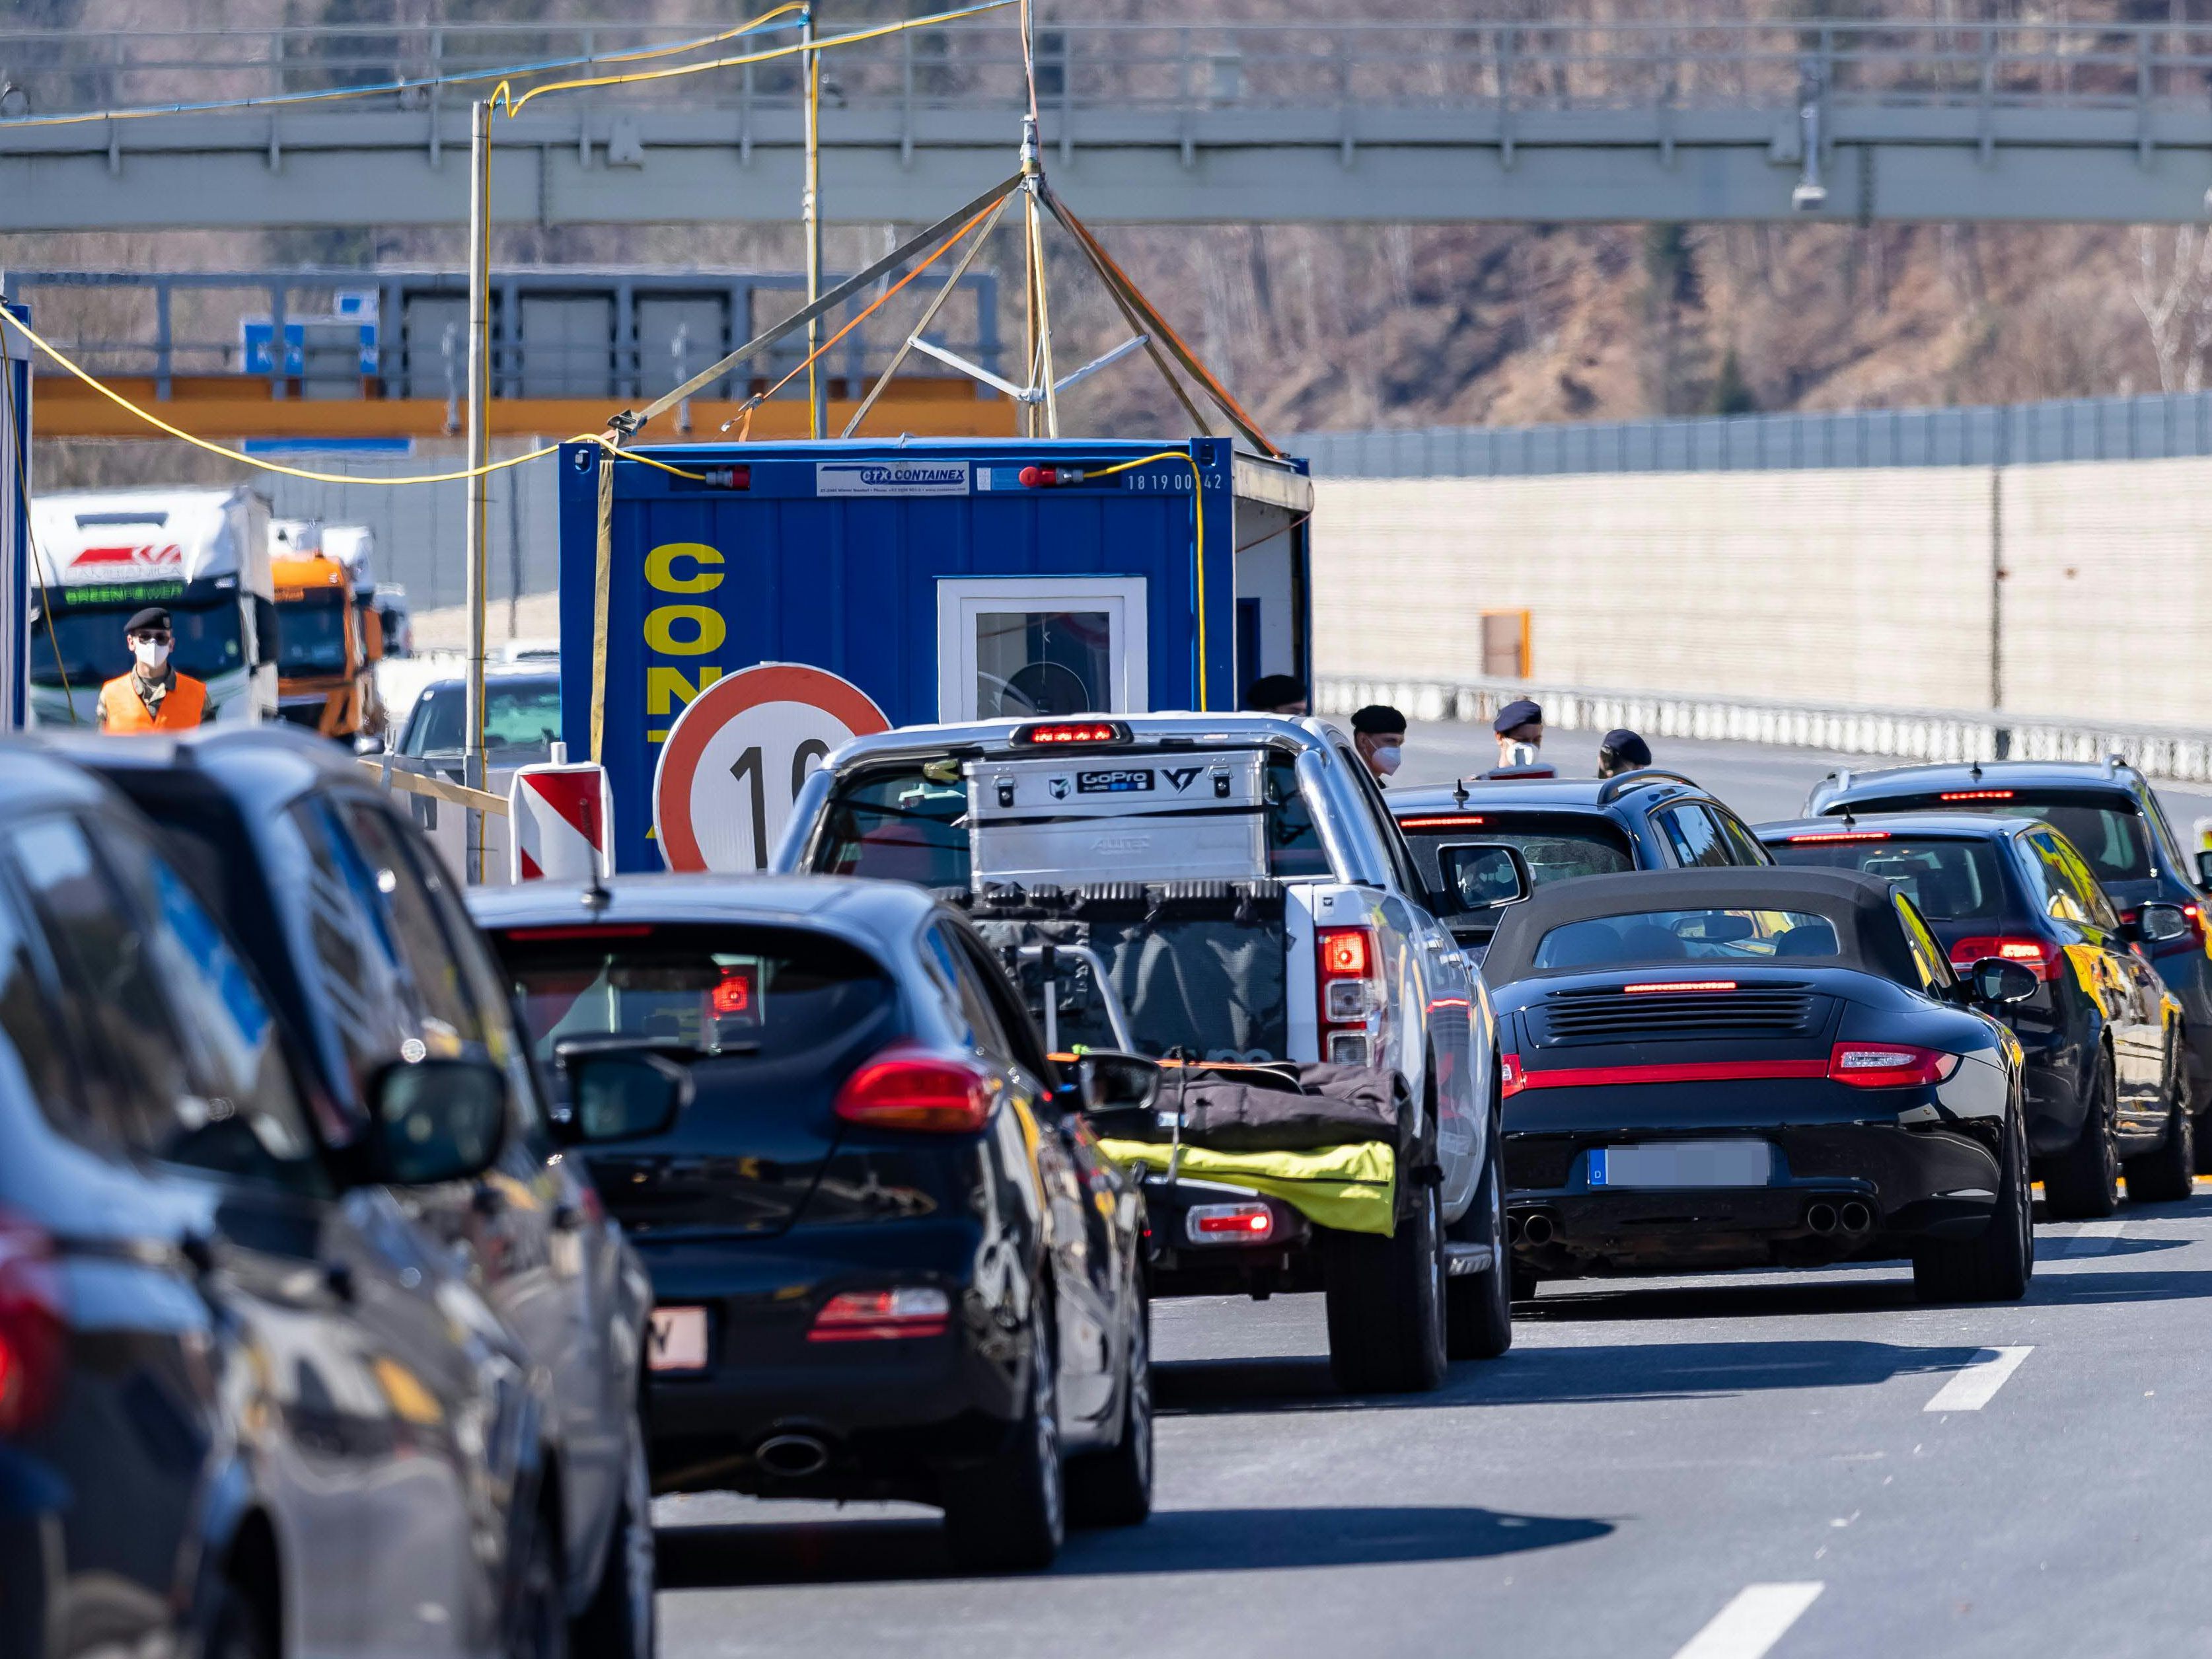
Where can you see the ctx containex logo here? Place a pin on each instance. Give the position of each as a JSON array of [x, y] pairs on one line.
[[145, 557]]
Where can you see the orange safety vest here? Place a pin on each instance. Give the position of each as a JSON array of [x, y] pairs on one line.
[[121, 710]]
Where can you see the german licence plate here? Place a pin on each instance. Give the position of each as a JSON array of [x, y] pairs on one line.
[[677, 1341], [1684, 1163]]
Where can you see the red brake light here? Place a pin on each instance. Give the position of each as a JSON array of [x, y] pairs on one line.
[[1851, 834], [1681, 985], [913, 1089], [535, 935], [881, 1316], [1228, 1223], [1975, 795], [734, 995], [1512, 1079], [1888, 1065], [1345, 952], [31, 1320], [2039, 956], [1456, 821], [1065, 732]]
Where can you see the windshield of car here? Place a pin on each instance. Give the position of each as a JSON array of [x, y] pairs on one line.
[[84, 644], [908, 822], [522, 718], [2104, 825], [1947, 880], [1718, 935], [1557, 846], [776, 993], [311, 633]]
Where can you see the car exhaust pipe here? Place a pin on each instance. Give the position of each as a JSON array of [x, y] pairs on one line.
[[1821, 1218], [793, 1457], [1512, 1228], [1856, 1216], [1538, 1229]]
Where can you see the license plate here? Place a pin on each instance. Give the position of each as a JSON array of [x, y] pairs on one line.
[[1684, 1163], [678, 1340]]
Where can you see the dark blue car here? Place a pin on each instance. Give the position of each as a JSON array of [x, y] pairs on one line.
[[2110, 814]]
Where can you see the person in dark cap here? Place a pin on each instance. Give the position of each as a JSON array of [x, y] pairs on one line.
[[1378, 732], [1622, 750], [152, 697], [1519, 722], [1278, 694]]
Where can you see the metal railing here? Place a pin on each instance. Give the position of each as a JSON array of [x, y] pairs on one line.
[[1447, 64], [2179, 753]]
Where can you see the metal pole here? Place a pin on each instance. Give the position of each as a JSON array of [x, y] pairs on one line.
[[817, 412], [472, 731]]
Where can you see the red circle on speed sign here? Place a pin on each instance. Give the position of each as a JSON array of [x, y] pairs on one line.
[[736, 756]]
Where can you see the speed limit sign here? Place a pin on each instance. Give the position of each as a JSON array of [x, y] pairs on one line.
[[735, 758]]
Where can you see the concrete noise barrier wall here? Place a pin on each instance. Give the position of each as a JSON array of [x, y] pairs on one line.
[[2075, 591]]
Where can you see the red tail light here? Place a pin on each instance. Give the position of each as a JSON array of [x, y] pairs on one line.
[[1664, 985], [1228, 1223], [1048, 733], [1975, 794], [1888, 1065], [1456, 821], [910, 1311], [1347, 976], [2039, 956], [913, 1089], [33, 1344], [1513, 1079], [1853, 835]]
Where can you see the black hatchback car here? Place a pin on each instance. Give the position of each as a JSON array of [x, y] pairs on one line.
[[2107, 1076], [1726, 1068], [1564, 827], [888, 1259], [2111, 814]]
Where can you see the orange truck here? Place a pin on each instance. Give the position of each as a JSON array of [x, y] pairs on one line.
[[329, 638]]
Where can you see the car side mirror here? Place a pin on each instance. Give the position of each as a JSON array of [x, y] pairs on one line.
[[2156, 923], [1998, 982], [2204, 866], [1479, 877], [629, 1094], [437, 1120], [1108, 1082]]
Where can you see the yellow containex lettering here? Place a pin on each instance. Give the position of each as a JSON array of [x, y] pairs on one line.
[[661, 568], [666, 687], [660, 626]]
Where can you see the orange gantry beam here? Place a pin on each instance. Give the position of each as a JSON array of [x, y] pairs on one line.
[[230, 406]]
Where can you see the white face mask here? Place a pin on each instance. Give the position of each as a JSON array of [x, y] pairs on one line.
[[152, 654], [1387, 758]]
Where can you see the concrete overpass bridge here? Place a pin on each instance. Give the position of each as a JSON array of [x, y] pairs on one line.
[[1450, 121]]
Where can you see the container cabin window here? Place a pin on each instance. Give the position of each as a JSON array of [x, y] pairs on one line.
[[1025, 648]]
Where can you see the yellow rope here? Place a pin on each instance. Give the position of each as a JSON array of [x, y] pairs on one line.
[[1198, 533], [387, 88], [514, 105], [258, 462]]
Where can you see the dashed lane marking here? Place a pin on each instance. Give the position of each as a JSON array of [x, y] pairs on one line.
[[1752, 1622], [1977, 1384], [2094, 1237]]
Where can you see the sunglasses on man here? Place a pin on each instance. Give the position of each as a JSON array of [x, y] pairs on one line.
[[148, 634]]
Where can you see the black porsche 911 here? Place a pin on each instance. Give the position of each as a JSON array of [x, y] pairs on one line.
[[1753, 1067]]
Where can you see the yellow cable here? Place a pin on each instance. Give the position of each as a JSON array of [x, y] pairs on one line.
[[258, 462], [1198, 533], [385, 87], [514, 106]]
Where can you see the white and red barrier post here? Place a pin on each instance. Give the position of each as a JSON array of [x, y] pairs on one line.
[[561, 825]]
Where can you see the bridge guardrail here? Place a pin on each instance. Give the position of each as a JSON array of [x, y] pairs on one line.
[[2176, 753], [1446, 64]]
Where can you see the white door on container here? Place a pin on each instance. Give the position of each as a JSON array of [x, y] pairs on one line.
[[1019, 647]]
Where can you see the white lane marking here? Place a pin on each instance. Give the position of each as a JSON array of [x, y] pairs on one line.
[[1974, 1387], [2094, 1237], [1751, 1623]]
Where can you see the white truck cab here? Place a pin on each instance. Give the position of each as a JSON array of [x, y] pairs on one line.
[[101, 556], [1252, 902]]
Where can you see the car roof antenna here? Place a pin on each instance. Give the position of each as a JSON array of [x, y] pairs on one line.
[[1459, 793], [1975, 772], [595, 896]]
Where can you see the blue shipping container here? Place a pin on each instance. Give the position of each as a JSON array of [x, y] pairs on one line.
[[946, 578]]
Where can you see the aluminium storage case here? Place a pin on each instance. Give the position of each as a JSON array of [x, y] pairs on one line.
[[883, 562], [1184, 817]]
